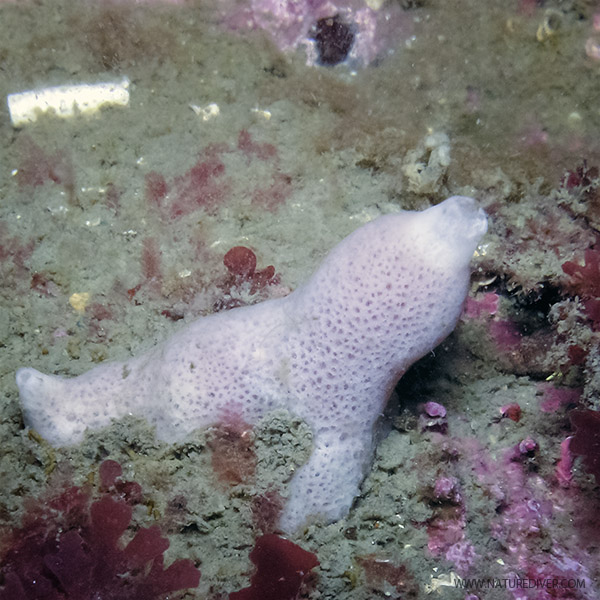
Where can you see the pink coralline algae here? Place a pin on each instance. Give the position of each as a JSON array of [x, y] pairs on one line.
[[565, 463], [329, 32], [504, 332], [434, 409], [482, 306], [446, 529], [433, 417], [462, 554], [69, 548], [524, 449], [554, 398], [446, 488], [525, 505]]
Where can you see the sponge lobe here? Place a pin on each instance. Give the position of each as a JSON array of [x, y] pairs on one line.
[[384, 297], [329, 352]]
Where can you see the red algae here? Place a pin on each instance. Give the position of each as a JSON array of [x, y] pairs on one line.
[[38, 167], [151, 263], [233, 456], [109, 471], [207, 185], [240, 262], [379, 571], [585, 279], [266, 510], [262, 151], [511, 411], [42, 283], [586, 440], [281, 568], [272, 196], [69, 548], [199, 187], [113, 198], [585, 282], [156, 189], [14, 250]]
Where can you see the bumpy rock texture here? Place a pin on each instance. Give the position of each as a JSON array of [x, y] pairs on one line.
[[329, 352]]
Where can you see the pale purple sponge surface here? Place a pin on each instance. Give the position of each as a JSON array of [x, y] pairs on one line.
[[330, 352]]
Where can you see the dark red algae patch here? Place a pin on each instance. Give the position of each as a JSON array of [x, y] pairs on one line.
[[586, 440], [281, 568], [69, 548], [334, 39]]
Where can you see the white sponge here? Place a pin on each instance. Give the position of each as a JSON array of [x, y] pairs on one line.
[[329, 352]]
